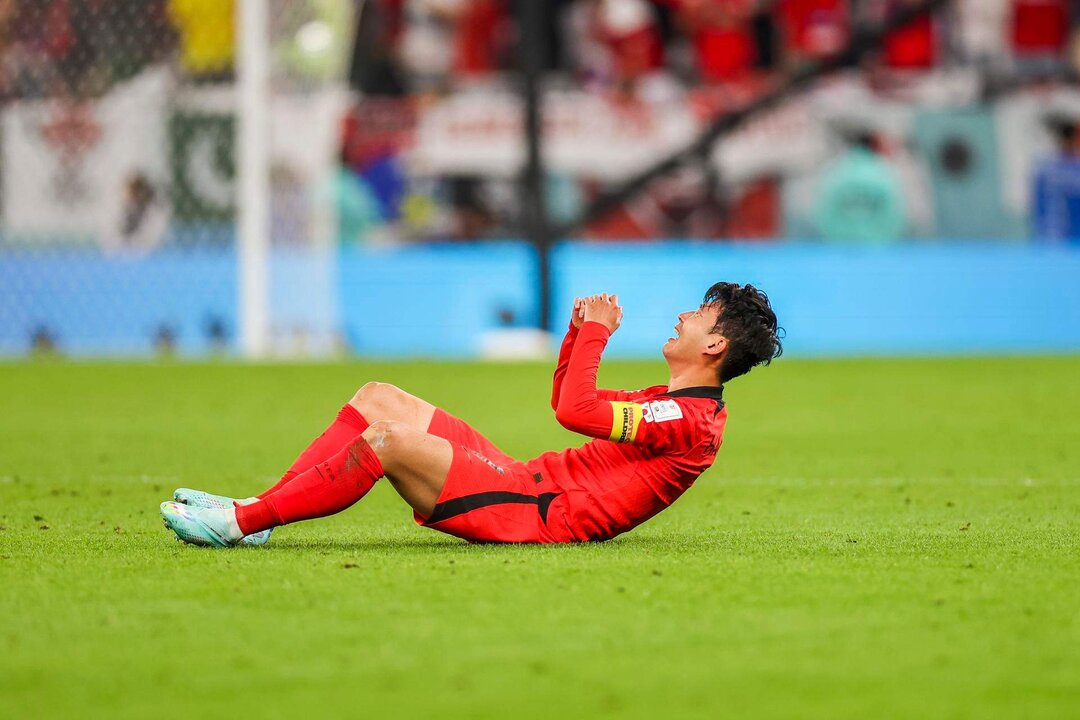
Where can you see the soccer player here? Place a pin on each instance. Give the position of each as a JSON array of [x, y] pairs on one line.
[[647, 446]]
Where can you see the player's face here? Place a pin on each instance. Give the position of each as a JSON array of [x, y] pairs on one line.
[[694, 336]]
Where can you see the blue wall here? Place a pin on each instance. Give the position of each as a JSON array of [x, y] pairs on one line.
[[434, 300], [439, 300], [904, 299], [97, 304]]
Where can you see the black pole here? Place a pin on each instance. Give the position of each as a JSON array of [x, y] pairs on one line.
[[532, 31]]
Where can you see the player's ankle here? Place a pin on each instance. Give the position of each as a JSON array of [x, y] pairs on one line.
[[254, 517], [231, 526]]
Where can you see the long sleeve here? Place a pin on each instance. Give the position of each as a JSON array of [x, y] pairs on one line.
[[563, 363], [585, 409]]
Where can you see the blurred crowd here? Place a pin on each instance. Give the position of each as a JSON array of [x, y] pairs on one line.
[[82, 48], [421, 45], [709, 54], [406, 56]]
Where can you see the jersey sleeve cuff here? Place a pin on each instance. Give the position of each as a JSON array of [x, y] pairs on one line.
[[595, 329]]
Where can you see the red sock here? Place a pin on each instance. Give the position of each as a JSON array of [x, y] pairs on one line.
[[348, 425], [325, 489]]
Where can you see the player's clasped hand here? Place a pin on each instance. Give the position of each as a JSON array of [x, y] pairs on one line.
[[604, 309]]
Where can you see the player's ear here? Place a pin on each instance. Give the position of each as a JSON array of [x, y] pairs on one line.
[[714, 344]]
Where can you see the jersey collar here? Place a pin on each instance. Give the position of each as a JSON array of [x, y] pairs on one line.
[[705, 391]]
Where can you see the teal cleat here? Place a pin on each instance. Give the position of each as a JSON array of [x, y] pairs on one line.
[[200, 499], [207, 527]]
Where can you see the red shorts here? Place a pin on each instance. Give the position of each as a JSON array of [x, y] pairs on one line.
[[488, 495]]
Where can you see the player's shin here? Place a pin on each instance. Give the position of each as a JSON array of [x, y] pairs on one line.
[[348, 424], [327, 488]]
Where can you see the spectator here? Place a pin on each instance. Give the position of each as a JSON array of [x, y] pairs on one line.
[[1040, 32], [427, 43], [613, 42], [355, 207], [482, 38], [1056, 202], [586, 52], [630, 31], [979, 31], [860, 197], [813, 28], [911, 46], [723, 37]]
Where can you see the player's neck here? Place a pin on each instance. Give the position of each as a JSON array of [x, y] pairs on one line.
[[692, 377]]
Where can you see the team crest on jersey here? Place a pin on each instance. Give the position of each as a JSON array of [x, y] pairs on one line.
[[661, 411]]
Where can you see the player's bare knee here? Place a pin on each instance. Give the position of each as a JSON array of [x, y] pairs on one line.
[[384, 436], [374, 400]]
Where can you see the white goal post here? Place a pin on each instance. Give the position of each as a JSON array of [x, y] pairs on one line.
[[253, 176]]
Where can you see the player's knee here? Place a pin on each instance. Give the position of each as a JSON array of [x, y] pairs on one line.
[[376, 400], [385, 436]]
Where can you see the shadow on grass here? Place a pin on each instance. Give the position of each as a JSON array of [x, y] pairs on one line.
[[442, 545]]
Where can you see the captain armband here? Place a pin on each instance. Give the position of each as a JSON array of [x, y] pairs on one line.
[[626, 418]]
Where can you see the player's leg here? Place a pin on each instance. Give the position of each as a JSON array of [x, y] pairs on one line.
[[377, 401], [415, 462], [373, 401]]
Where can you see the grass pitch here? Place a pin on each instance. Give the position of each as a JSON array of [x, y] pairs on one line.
[[876, 539]]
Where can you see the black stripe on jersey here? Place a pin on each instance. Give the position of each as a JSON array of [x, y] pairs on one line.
[[714, 392], [467, 503]]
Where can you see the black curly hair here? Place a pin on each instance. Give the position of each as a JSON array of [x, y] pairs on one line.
[[749, 323]]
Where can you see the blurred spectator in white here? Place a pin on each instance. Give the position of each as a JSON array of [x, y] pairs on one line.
[[613, 43], [1056, 190], [860, 198], [980, 31], [629, 29], [207, 37], [427, 44]]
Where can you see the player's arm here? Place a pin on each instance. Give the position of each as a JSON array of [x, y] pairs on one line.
[[583, 408], [564, 353], [563, 363], [580, 407]]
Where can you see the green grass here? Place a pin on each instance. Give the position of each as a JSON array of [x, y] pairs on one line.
[[877, 538]]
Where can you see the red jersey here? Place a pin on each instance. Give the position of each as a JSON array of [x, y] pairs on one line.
[[650, 445]]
